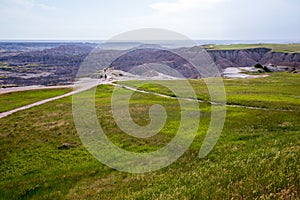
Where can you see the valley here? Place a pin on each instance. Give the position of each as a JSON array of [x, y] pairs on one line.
[[23, 64]]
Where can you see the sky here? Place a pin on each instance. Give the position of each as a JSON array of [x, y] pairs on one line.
[[103, 19]]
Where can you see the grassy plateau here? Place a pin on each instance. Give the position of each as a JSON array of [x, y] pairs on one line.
[[256, 157], [285, 48]]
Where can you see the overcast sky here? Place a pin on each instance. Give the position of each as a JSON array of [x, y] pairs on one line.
[[197, 19]]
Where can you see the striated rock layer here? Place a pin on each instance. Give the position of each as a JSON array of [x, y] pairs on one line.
[[250, 57]]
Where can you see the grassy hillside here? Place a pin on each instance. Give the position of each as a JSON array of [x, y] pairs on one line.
[[257, 155], [286, 48]]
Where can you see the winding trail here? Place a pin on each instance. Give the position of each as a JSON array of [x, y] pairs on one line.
[[81, 89], [96, 83], [4, 114], [197, 100], [155, 93]]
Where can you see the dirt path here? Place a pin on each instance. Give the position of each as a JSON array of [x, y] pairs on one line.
[[81, 89], [32, 87], [4, 114]]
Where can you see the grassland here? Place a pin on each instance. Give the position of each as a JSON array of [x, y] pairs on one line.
[[14, 100], [257, 155], [278, 91], [286, 48]]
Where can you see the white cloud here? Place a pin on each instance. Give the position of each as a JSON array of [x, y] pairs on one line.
[[22, 3], [194, 18], [28, 4], [45, 6], [183, 5]]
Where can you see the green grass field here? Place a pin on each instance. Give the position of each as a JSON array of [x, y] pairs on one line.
[[256, 157], [286, 48], [278, 91], [14, 100]]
